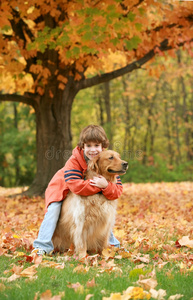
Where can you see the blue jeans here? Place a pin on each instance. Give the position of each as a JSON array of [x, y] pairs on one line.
[[47, 228]]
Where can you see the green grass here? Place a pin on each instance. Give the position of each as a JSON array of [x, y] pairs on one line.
[[139, 173], [169, 278], [176, 283]]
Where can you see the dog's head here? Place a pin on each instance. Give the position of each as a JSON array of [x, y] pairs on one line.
[[108, 163]]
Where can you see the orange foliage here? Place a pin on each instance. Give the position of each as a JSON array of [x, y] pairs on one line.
[[77, 35]]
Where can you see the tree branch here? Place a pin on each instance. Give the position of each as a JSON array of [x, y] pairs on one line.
[[88, 82], [27, 98]]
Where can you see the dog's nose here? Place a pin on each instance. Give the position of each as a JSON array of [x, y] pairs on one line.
[[125, 165]]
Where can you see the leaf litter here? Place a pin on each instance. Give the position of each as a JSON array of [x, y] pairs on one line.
[[151, 218]]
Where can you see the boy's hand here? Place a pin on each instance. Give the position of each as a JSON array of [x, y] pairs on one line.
[[99, 182]]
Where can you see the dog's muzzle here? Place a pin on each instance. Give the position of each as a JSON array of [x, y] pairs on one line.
[[124, 167]]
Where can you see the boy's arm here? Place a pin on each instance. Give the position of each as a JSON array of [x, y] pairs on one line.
[[81, 187], [113, 190], [73, 177]]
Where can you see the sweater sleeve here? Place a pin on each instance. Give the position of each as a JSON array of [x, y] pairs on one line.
[[113, 190], [73, 177]]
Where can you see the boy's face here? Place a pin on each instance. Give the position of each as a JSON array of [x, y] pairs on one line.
[[92, 149]]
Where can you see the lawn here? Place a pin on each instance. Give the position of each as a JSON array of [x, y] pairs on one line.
[[155, 261]]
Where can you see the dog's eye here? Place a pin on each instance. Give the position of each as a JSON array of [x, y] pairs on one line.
[[111, 157]]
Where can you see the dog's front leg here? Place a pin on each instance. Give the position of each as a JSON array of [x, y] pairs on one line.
[[80, 244], [103, 241], [78, 237]]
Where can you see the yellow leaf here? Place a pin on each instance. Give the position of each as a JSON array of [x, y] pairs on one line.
[[2, 287], [80, 269], [108, 253], [120, 233], [16, 236], [136, 293], [20, 254], [113, 296], [191, 269]]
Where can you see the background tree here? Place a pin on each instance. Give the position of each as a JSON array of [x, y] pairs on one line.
[[17, 140], [57, 41], [160, 81]]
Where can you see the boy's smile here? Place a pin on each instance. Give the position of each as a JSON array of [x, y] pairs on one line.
[[92, 149]]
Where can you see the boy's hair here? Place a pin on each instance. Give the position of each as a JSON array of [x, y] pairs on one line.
[[93, 133]]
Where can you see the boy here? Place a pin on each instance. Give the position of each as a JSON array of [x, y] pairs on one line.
[[92, 141]]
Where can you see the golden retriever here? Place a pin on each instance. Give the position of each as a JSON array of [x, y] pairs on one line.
[[86, 222]]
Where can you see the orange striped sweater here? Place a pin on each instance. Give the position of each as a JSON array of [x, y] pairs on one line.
[[71, 177]]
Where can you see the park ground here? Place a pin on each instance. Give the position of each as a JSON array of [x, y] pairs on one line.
[[154, 225]]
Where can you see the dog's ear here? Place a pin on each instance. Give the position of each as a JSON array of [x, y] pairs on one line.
[[93, 164]]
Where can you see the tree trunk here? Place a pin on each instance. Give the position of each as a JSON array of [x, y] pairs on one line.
[[185, 109], [98, 99], [127, 117], [148, 134], [177, 131], [191, 129], [108, 113], [16, 156], [167, 126], [168, 135], [153, 129], [53, 136]]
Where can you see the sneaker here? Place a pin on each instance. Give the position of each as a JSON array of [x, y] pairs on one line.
[[39, 251]]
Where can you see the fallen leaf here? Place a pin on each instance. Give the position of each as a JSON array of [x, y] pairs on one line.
[[11, 278], [46, 295], [108, 253], [2, 287], [159, 295], [175, 297], [81, 269], [17, 269], [89, 296], [29, 272], [78, 288], [141, 266], [148, 284], [136, 293], [91, 283], [37, 259], [118, 257], [2, 251], [113, 296], [144, 259], [185, 241]]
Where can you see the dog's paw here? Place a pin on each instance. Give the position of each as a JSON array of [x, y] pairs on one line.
[[82, 254]]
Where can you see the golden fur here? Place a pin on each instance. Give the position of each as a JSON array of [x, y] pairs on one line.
[[87, 221]]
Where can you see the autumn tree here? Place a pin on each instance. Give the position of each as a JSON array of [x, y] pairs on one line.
[[57, 41]]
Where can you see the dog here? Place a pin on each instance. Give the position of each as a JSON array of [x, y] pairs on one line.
[[86, 222]]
